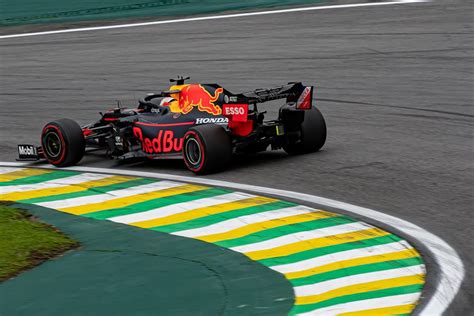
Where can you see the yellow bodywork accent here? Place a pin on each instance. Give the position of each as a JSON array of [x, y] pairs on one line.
[[280, 130], [174, 106]]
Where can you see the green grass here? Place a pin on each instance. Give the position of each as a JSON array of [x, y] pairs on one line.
[[26, 242]]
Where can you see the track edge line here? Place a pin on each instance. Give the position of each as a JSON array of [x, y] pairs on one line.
[[451, 267]]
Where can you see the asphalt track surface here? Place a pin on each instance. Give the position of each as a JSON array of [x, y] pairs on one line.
[[394, 83]]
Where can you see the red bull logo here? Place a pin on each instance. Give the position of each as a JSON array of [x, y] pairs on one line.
[[164, 142], [196, 95]]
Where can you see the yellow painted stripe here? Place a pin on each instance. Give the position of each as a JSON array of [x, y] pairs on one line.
[[81, 186], [10, 176], [204, 211], [361, 288], [260, 226], [288, 249], [129, 200], [404, 254], [392, 310]]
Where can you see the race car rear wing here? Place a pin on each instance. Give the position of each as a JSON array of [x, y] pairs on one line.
[[239, 115], [294, 92]]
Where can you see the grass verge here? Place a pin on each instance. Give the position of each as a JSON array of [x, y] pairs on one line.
[[26, 242]]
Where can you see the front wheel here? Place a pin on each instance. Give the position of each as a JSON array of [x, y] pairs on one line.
[[63, 142], [207, 149], [312, 134]]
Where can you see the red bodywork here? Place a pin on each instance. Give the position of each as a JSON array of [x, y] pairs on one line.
[[238, 119]]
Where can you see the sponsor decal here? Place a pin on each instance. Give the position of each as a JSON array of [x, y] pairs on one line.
[[212, 120], [195, 95], [27, 152], [304, 101], [118, 141], [164, 142], [237, 112]]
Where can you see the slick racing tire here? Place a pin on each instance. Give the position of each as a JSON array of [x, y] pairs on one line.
[[63, 143], [207, 149], [313, 134]]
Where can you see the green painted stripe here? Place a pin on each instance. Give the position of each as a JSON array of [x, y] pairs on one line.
[[297, 309], [90, 192], [216, 218], [156, 203], [285, 230], [317, 252], [366, 268], [40, 178]]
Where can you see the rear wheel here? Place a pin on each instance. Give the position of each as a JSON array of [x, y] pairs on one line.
[[312, 134], [63, 142], [207, 149]]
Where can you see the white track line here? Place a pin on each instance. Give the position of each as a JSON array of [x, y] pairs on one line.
[[111, 195], [215, 17], [9, 169], [56, 183], [326, 286], [342, 256], [451, 267], [357, 306], [236, 223], [300, 236], [180, 208]]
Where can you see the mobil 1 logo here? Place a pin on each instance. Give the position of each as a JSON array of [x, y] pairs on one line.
[[27, 152]]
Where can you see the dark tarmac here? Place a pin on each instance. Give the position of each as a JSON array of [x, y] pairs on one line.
[[395, 84]]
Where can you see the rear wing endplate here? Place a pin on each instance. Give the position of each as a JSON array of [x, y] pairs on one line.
[[293, 92]]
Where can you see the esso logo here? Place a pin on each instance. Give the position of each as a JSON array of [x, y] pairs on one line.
[[231, 110], [236, 112]]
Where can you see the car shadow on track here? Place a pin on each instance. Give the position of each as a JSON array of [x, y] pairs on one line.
[[240, 162]]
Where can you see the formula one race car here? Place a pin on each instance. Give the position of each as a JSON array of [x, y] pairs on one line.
[[204, 124]]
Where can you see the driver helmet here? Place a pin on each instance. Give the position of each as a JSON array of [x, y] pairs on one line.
[[167, 101]]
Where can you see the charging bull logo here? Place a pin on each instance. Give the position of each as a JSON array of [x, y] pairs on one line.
[[196, 95]]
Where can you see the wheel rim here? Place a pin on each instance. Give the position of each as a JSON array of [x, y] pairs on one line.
[[52, 144], [193, 151]]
